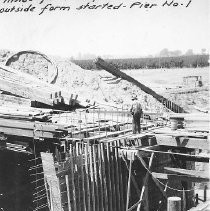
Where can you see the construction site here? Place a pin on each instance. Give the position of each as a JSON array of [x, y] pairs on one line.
[[64, 147]]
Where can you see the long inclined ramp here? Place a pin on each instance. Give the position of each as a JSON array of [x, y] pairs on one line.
[[116, 72]]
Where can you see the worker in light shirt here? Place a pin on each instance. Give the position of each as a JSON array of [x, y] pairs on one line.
[[136, 111]]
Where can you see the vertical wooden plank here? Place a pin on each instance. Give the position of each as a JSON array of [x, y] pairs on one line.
[[52, 180], [145, 178], [105, 189], [101, 191], [205, 193], [172, 106], [129, 184], [121, 180], [47, 192], [87, 178], [146, 198], [109, 178], [68, 192], [82, 178], [72, 178], [92, 178], [125, 177], [77, 174], [51, 197], [184, 201], [113, 177], [115, 150], [96, 176]]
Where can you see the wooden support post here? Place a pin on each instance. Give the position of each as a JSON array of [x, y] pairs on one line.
[[132, 178], [106, 201], [87, 177], [205, 193], [109, 178], [83, 178], [102, 207], [145, 179], [51, 196], [77, 173], [196, 199], [72, 179], [129, 183], [68, 192], [47, 192], [120, 179], [52, 180], [184, 204], [96, 176], [174, 204], [146, 198], [117, 176], [92, 178], [113, 178]]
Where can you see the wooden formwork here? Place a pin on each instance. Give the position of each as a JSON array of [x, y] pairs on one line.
[[127, 172]]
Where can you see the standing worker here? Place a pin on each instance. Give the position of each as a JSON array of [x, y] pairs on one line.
[[136, 111]]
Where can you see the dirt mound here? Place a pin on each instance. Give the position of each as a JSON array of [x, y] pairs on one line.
[[93, 85], [100, 86]]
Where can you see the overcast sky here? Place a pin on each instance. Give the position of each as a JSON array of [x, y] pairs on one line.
[[131, 32]]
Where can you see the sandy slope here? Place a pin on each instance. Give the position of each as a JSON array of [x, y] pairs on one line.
[[102, 87]]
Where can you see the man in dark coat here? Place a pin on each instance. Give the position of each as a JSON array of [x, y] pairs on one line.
[[136, 111]]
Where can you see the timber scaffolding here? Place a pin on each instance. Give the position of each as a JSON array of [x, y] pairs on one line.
[[90, 160]]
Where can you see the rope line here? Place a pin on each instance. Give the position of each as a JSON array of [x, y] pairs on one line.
[[175, 189]]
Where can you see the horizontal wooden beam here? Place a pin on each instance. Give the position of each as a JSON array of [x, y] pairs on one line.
[[29, 133], [179, 133], [187, 172], [189, 157], [108, 134], [97, 128], [172, 177], [38, 126], [188, 142]]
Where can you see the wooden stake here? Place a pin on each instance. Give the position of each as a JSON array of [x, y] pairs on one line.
[[87, 177], [92, 178], [121, 181], [68, 192], [83, 179], [129, 183], [72, 179], [96, 177], [100, 179], [117, 176], [113, 181], [109, 178], [145, 178]]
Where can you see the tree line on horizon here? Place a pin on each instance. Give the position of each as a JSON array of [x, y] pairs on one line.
[[184, 61]]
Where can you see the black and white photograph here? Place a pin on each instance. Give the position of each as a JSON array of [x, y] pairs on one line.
[[104, 105]]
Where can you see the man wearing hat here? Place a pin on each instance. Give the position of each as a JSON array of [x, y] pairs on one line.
[[136, 111]]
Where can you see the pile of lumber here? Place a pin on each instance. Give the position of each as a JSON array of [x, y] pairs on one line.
[[29, 123], [27, 87]]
